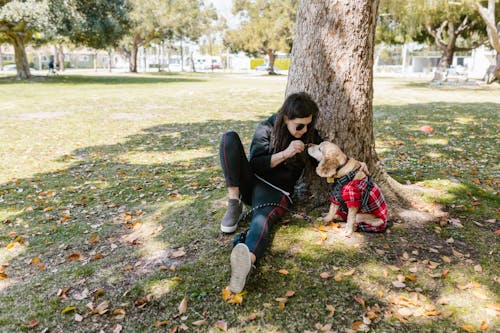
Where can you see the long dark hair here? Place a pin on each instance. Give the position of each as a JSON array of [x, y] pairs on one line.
[[298, 105]]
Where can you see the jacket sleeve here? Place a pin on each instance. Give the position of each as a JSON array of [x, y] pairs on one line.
[[260, 149]]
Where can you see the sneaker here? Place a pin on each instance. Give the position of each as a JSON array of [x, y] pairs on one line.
[[240, 267], [229, 222]]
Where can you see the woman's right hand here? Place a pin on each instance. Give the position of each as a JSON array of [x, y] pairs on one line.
[[295, 147]]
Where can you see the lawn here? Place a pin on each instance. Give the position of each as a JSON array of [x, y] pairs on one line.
[[111, 195]]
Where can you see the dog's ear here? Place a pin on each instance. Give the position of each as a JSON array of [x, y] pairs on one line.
[[327, 168]]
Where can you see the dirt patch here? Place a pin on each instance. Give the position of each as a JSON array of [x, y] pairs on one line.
[[43, 115], [132, 116]]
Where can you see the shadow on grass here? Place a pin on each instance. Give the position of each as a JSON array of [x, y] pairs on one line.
[[115, 79], [153, 183]]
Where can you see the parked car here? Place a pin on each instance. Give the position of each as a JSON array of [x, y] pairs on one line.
[[13, 68], [9, 68]]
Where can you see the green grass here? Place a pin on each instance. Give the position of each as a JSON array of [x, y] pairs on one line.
[[124, 171]]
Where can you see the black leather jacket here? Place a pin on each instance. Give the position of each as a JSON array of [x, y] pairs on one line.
[[284, 175]]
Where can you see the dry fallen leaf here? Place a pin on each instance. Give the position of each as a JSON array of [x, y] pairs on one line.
[[160, 323], [102, 308], [398, 284], [468, 328], [178, 254], [226, 294], [183, 306], [236, 299], [75, 256], [289, 293], [360, 301], [118, 328], [199, 322], [324, 275], [331, 309], [283, 271], [222, 325]]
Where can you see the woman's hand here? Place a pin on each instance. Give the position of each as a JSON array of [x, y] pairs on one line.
[[295, 147]]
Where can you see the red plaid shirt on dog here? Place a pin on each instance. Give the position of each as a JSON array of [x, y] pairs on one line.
[[352, 194]]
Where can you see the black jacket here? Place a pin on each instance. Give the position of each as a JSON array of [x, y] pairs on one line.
[[284, 175]]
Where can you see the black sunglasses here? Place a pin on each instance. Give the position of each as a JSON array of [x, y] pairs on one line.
[[300, 127]]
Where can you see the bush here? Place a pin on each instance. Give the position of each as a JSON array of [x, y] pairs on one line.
[[256, 62]]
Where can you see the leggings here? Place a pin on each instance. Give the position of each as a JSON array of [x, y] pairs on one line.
[[238, 173]]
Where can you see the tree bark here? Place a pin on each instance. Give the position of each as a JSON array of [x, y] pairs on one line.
[[60, 56], [332, 60], [110, 59], [22, 65], [493, 30], [133, 54]]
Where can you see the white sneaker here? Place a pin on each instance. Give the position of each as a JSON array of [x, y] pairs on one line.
[[240, 267]]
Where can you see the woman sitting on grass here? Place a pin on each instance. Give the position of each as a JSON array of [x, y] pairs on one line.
[[277, 159]]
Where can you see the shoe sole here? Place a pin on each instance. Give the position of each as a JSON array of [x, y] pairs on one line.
[[240, 267], [228, 230]]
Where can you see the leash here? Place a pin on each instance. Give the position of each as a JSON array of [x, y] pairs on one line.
[[244, 216], [240, 238]]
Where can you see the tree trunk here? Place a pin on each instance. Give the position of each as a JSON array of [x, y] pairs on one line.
[[110, 59], [192, 62], [493, 30], [272, 58], [22, 66], [444, 63], [446, 58], [133, 54], [60, 56], [332, 60]]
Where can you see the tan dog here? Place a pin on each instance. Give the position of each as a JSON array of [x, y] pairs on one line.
[[333, 165]]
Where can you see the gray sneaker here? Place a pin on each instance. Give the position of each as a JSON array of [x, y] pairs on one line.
[[240, 267], [229, 222]]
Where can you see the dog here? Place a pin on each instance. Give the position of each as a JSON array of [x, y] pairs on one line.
[[354, 197]]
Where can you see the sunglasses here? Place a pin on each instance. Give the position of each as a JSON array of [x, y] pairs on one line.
[[300, 127]]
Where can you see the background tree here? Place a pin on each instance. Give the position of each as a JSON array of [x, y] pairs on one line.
[[450, 25], [489, 16], [332, 60], [149, 20], [193, 19], [21, 23], [266, 27], [99, 24]]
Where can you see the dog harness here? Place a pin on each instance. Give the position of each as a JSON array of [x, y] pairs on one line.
[[364, 193]]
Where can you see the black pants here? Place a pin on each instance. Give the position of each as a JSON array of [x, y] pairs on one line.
[[238, 173]]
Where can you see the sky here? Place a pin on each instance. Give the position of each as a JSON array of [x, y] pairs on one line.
[[224, 9]]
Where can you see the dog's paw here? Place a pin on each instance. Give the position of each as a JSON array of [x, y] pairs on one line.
[[347, 232]]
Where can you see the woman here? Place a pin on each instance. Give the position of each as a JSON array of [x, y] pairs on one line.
[[277, 159]]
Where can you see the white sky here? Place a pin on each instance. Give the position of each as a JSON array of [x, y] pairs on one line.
[[224, 9]]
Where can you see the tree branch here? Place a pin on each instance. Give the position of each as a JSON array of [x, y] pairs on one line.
[[488, 16], [463, 26], [436, 34]]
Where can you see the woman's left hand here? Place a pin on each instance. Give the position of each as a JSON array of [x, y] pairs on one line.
[[364, 168]]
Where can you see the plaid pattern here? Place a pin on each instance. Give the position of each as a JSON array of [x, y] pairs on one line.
[[352, 195]]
